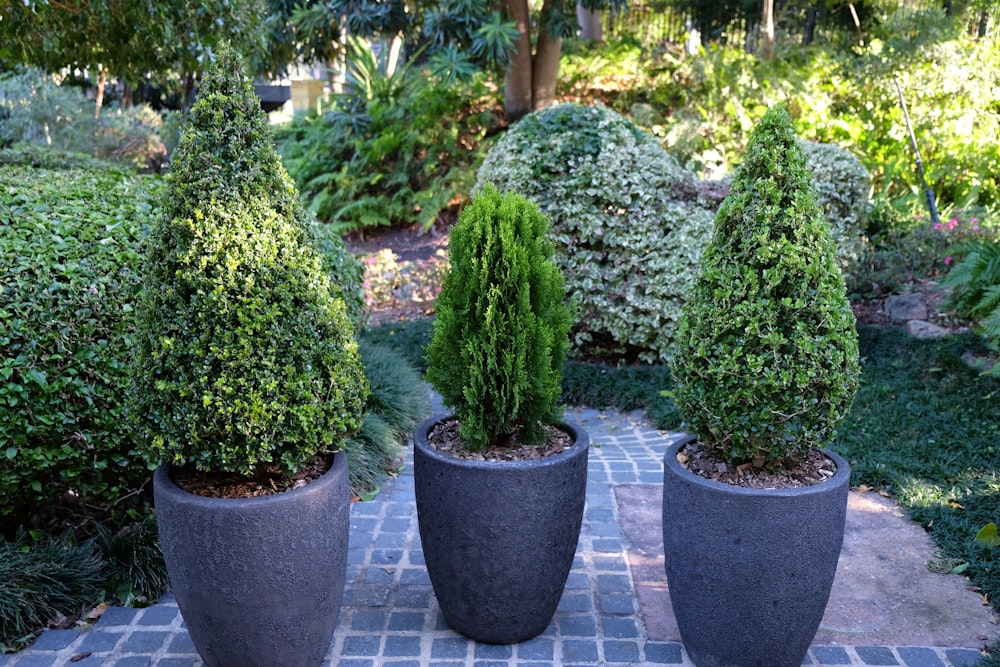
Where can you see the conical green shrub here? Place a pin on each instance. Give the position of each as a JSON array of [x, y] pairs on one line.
[[502, 329], [245, 355], [767, 359]]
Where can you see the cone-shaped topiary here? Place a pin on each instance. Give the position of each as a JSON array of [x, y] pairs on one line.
[[502, 328], [767, 359], [245, 355]]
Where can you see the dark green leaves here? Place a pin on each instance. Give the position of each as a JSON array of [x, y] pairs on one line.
[[245, 354], [767, 359]]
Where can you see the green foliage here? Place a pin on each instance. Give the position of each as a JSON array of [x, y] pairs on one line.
[[767, 357], [128, 39], [396, 149], [627, 221], [501, 332], [132, 562], [244, 354], [976, 282], [409, 339], [34, 110], [841, 185], [39, 582], [850, 99], [72, 238], [397, 403]]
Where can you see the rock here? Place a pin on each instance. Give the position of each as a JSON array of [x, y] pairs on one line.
[[924, 330], [906, 307]]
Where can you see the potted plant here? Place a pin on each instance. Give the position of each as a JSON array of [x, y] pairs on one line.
[[500, 483], [246, 377], [766, 366]]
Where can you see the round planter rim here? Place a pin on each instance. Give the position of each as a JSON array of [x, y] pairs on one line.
[[670, 461], [313, 487], [581, 440]]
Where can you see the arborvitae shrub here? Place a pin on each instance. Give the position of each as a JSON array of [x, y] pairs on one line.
[[245, 355], [767, 358], [502, 328]]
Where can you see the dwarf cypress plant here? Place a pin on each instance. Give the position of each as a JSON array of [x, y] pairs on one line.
[[767, 359], [245, 355], [502, 328]]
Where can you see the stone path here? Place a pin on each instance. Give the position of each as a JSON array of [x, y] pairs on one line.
[[390, 616]]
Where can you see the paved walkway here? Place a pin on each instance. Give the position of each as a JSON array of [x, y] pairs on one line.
[[390, 616]]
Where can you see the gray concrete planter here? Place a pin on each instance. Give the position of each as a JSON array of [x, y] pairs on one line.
[[749, 570], [499, 537], [258, 581]]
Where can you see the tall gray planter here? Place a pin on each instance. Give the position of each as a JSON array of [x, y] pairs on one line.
[[750, 571], [259, 581], [499, 537]]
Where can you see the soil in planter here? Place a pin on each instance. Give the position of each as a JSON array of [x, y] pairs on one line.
[[226, 485], [815, 468], [446, 438]]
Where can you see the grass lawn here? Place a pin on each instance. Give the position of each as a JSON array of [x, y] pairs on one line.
[[925, 427]]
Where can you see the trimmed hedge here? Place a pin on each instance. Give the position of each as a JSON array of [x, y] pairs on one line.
[[75, 230], [72, 237]]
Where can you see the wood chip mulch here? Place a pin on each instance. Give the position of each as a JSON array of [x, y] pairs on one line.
[[225, 485], [816, 467], [445, 437]]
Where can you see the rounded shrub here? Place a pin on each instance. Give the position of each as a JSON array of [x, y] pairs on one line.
[[842, 186], [628, 222], [767, 357], [502, 329], [245, 356]]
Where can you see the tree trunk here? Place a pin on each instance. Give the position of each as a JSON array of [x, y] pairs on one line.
[[517, 84], [546, 71], [395, 49], [590, 23], [767, 28], [983, 22], [102, 80], [810, 34]]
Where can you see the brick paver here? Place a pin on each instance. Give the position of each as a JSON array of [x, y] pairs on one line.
[[390, 616]]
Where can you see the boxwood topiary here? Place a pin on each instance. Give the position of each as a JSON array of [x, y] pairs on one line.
[[245, 355], [767, 357], [628, 222], [502, 329]]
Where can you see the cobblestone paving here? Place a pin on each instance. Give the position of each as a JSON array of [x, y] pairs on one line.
[[390, 616]]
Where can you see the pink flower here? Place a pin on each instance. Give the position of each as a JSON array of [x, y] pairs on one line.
[[939, 226], [975, 228], [974, 220], [947, 260]]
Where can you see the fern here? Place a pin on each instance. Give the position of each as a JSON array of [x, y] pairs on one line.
[[976, 283]]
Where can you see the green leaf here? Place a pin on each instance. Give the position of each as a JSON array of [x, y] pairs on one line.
[[988, 535], [12, 452]]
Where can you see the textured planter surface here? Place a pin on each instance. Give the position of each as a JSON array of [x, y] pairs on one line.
[[749, 570], [258, 581], [499, 537]]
